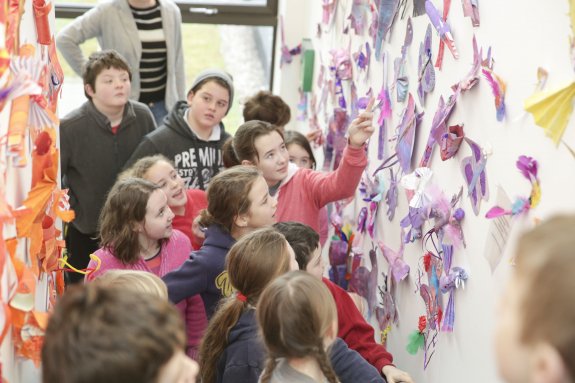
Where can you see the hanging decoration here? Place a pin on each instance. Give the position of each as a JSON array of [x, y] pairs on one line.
[[528, 168], [426, 80], [400, 80], [473, 168], [442, 29], [498, 86]]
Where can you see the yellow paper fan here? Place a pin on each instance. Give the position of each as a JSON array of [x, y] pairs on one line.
[[552, 110]]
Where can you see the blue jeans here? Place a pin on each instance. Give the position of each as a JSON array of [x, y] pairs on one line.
[[159, 111]]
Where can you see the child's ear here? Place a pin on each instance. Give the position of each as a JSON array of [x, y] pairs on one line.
[[248, 162], [330, 334], [189, 97], [89, 91], [548, 365], [241, 220]]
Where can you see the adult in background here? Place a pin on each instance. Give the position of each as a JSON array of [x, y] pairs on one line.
[[148, 34]]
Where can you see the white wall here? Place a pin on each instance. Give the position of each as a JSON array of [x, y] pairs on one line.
[[524, 34]]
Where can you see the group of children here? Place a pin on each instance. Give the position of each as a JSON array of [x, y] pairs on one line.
[[227, 256]]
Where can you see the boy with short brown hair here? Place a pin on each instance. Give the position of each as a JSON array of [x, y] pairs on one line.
[[104, 334], [96, 140]]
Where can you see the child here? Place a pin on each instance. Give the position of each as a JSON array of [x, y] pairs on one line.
[[96, 140], [265, 106], [300, 153], [136, 234], [268, 107], [535, 337], [192, 135], [103, 334], [134, 280], [148, 34], [238, 203], [301, 309], [301, 192], [184, 203], [231, 350], [352, 327]]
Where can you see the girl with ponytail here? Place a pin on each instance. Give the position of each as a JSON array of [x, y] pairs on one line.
[[252, 263], [238, 203], [232, 350]]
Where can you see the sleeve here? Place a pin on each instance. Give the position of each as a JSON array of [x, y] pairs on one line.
[[356, 332], [180, 67], [340, 183], [188, 280], [144, 149], [349, 366], [64, 154], [241, 374], [70, 37]]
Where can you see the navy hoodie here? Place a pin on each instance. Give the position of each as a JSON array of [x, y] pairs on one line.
[[197, 161], [244, 359], [204, 272]]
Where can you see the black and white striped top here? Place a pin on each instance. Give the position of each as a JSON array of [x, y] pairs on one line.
[[153, 63]]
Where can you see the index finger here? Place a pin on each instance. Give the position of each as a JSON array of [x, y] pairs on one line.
[[369, 107]]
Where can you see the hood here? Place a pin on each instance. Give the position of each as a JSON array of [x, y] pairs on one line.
[[176, 121]]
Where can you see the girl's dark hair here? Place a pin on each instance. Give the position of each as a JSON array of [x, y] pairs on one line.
[[124, 208], [294, 313], [228, 196], [302, 239], [252, 263], [293, 137], [242, 146]]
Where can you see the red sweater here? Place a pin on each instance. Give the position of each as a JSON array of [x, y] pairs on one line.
[[196, 201], [304, 192], [355, 331]]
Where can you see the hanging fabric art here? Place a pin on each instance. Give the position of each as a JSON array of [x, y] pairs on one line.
[[364, 281], [287, 54], [386, 14], [426, 80], [358, 17], [498, 86], [406, 135], [528, 168], [443, 29], [41, 11], [473, 168], [471, 10], [418, 8], [335, 140], [415, 185], [401, 80]]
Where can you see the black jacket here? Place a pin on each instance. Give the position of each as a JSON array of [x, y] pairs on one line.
[[197, 161], [92, 156]]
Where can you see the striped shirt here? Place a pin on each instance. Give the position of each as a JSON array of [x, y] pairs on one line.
[[153, 63]]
